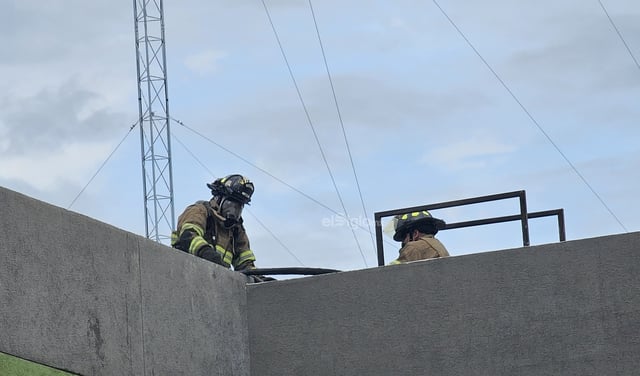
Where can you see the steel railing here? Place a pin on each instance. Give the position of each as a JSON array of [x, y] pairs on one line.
[[523, 217]]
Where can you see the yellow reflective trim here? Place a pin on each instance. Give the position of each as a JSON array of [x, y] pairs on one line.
[[227, 257], [395, 262], [245, 256], [190, 226], [196, 243], [174, 238], [404, 216]]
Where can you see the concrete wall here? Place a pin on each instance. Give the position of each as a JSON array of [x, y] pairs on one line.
[[83, 296], [562, 309]]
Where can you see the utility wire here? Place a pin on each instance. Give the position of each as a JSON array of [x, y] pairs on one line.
[[102, 165], [277, 239], [344, 133], [249, 211], [268, 173], [257, 167], [324, 158], [584, 180], [619, 34]]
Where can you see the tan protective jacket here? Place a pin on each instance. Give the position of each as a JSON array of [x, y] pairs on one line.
[[426, 247], [232, 244]]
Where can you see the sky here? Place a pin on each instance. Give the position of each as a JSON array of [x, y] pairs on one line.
[[347, 109]]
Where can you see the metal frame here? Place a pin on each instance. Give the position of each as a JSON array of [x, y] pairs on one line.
[[153, 106], [523, 217]]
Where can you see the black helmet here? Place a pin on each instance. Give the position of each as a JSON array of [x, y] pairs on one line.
[[235, 187], [409, 221]]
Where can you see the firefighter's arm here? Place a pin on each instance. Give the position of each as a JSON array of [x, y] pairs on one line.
[[243, 255], [190, 234]]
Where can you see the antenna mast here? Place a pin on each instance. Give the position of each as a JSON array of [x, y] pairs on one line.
[[153, 106]]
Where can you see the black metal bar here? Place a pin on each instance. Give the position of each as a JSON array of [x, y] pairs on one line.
[[545, 213], [523, 217], [512, 218], [288, 270], [448, 204], [563, 236], [486, 221], [557, 212], [380, 248]]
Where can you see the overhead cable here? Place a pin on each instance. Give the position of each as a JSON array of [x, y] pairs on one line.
[[324, 158], [344, 133], [248, 211], [245, 160], [256, 166], [619, 34], [102, 165], [533, 120]]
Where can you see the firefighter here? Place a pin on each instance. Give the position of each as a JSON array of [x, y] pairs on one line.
[[213, 229], [417, 232]]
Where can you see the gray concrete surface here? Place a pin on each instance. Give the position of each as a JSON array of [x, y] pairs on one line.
[[80, 295], [83, 296], [561, 309]]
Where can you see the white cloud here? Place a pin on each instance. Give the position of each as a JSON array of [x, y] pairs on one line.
[[404, 80], [73, 164], [470, 153], [205, 62]]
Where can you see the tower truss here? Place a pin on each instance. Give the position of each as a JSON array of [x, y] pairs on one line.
[[153, 106]]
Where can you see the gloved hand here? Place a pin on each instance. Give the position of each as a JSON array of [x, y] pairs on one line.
[[262, 278], [208, 253]]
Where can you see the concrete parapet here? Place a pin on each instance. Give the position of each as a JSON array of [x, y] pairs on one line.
[[569, 308], [79, 295], [86, 297]]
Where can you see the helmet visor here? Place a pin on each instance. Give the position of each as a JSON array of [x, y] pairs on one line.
[[389, 228]]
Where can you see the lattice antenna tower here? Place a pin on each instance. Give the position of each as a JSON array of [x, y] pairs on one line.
[[153, 105]]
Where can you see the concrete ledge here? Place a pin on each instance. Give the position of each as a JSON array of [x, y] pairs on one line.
[[569, 308], [87, 297]]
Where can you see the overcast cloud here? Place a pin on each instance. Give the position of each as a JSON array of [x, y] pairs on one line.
[[426, 119]]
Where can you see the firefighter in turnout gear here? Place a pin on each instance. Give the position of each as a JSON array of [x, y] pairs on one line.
[[416, 231], [213, 229]]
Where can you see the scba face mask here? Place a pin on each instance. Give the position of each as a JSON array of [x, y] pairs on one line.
[[231, 210]]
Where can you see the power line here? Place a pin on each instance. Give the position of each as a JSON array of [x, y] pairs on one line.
[[324, 158], [102, 165], [255, 166], [266, 172], [619, 34], [277, 239], [249, 211], [584, 180], [344, 134]]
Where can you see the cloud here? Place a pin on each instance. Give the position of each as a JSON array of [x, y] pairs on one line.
[[49, 170], [468, 153], [204, 62], [51, 118], [412, 95]]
